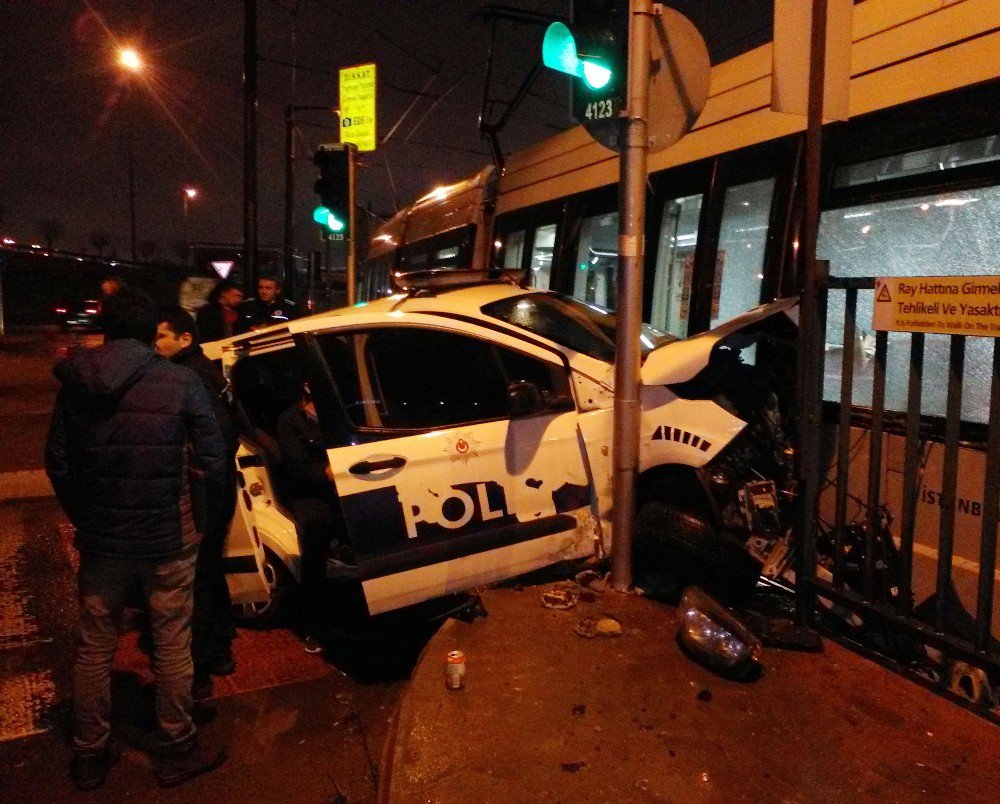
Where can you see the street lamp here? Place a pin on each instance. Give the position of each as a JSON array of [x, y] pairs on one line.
[[189, 195], [131, 62]]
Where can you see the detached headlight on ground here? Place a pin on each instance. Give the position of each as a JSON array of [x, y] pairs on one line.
[[715, 637]]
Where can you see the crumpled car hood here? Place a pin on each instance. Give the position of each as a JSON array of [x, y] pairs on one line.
[[680, 361]]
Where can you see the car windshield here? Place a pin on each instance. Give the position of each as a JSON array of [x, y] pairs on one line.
[[584, 328]]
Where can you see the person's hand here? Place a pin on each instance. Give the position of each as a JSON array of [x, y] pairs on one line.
[[329, 473]]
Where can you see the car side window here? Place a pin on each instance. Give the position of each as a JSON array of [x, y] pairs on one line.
[[551, 380], [264, 386]]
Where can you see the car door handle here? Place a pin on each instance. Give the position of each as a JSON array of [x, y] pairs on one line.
[[367, 467]]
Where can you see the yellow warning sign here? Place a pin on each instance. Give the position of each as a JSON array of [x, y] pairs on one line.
[[949, 305], [357, 106]]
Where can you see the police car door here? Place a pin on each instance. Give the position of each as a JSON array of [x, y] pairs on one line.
[[449, 486]]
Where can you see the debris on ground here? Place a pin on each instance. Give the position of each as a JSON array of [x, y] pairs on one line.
[[705, 695], [573, 767], [580, 709], [590, 627], [593, 580], [561, 596]]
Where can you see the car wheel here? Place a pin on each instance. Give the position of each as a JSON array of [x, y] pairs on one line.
[[684, 546], [272, 610]]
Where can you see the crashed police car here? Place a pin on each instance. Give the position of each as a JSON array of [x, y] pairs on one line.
[[468, 429]]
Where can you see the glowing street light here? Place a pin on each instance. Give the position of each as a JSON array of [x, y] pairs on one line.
[[191, 193], [129, 58]]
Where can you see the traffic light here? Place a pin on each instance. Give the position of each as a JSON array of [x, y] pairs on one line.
[[594, 50], [333, 188]]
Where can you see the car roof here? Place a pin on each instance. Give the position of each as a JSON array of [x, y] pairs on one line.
[[467, 300]]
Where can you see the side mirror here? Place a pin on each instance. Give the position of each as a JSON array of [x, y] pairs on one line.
[[525, 398]]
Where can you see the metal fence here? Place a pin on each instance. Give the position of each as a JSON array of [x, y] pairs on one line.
[[860, 596]]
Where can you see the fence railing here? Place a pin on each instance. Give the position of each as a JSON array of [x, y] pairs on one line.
[[911, 419]]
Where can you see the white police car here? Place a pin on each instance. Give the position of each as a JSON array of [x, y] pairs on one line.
[[469, 432]]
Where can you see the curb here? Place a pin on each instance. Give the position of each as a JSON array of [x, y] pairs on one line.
[[25, 485], [402, 721]]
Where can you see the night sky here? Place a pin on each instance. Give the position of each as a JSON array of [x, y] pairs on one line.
[[66, 106]]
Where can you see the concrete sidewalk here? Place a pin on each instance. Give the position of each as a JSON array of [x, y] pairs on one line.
[[549, 716]]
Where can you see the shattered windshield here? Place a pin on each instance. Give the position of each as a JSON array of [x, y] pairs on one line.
[[584, 328]]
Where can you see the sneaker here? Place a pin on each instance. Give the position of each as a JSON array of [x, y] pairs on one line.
[[174, 769], [201, 687], [89, 771], [311, 645]]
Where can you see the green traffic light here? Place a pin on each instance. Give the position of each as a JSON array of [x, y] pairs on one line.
[[559, 52], [324, 217]]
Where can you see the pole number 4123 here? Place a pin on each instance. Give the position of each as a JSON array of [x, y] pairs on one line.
[[599, 110]]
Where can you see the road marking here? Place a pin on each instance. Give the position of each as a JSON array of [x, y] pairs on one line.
[[25, 485]]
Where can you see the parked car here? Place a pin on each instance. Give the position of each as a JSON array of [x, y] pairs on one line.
[[78, 314], [469, 433]]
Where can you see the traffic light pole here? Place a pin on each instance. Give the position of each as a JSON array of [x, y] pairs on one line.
[[350, 279], [631, 250]]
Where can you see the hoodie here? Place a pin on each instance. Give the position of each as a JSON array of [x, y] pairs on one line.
[[117, 451]]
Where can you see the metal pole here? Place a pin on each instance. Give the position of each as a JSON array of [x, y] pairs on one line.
[[631, 250], [349, 279], [249, 145], [811, 320], [131, 190], [289, 244]]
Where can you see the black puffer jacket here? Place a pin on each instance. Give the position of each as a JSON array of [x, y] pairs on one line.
[[116, 453]]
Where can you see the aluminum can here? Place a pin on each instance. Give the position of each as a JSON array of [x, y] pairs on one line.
[[455, 670]]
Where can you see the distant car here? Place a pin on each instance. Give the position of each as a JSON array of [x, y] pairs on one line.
[[469, 434], [78, 314]]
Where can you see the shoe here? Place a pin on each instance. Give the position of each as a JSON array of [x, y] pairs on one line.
[[173, 769], [311, 645], [201, 687], [89, 771]]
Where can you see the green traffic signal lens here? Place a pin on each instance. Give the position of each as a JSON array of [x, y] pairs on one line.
[[320, 215], [334, 224], [596, 76], [559, 49]]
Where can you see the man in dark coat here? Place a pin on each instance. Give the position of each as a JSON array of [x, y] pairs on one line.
[[314, 505], [267, 309], [217, 319], [118, 458], [212, 626]]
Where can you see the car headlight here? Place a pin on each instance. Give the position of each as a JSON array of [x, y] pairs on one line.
[[715, 637]]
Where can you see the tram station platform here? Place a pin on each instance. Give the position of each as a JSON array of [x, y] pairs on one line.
[[548, 716]]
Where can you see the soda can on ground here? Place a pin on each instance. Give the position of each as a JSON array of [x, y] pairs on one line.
[[455, 670]]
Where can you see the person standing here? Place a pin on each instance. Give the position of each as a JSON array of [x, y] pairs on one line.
[[212, 626], [267, 309], [217, 319], [118, 458]]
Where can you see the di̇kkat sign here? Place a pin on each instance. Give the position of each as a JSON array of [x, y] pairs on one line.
[[948, 305], [357, 106]]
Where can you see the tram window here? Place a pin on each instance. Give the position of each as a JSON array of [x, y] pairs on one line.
[[597, 261], [513, 251], [929, 160], [540, 274], [932, 235], [739, 264], [675, 265]]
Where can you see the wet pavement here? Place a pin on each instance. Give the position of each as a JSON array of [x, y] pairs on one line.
[[297, 728], [548, 716]]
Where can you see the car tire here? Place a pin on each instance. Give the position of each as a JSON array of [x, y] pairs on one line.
[[275, 608], [687, 548]]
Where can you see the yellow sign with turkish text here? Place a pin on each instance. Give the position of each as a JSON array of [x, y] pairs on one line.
[[948, 305], [357, 106]]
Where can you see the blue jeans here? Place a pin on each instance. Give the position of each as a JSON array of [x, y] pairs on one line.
[[167, 589]]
